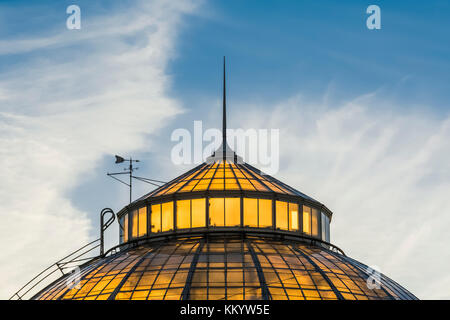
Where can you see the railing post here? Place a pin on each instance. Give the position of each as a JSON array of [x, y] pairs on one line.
[[102, 241], [104, 225]]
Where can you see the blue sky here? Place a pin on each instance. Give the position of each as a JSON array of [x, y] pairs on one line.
[[359, 110], [278, 48]]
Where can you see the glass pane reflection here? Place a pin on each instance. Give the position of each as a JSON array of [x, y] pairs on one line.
[[224, 269]]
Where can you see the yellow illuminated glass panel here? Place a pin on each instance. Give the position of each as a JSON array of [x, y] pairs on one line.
[[167, 216], [198, 213], [217, 184], [134, 224], [225, 270], [216, 212], [238, 172], [281, 215], [156, 218], [202, 185], [265, 213], [142, 221], [183, 214], [232, 212], [293, 216], [315, 223], [307, 220], [125, 228], [250, 212], [231, 184]]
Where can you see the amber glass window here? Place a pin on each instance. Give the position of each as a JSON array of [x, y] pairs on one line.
[[198, 212], [134, 223], [232, 212], [191, 213], [265, 213], [251, 212], [156, 218], [315, 223], [217, 212], [183, 214], [307, 220], [142, 221], [293, 216], [257, 212], [167, 216], [281, 217], [124, 228], [325, 227], [219, 208]]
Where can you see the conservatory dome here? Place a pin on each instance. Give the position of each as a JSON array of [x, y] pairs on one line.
[[225, 230]]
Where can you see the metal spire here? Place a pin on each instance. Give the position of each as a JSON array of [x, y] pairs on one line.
[[224, 117]]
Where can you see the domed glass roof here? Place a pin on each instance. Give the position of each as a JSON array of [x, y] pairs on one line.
[[222, 231], [224, 175], [230, 268]]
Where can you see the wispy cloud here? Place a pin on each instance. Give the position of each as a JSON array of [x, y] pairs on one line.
[[384, 173], [65, 108]]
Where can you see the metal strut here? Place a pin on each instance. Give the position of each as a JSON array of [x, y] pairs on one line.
[[76, 258], [104, 225]]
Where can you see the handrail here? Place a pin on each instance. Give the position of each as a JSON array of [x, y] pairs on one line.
[[195, 232], [71, 261], [60, 265]]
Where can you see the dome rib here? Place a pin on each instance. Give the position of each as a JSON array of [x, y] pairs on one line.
[[225, 176], [225, 268]]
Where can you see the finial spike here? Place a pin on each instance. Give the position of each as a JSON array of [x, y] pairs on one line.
[[224, 117]]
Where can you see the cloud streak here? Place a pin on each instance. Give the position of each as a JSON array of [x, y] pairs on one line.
[[61, 111], [384, 174]]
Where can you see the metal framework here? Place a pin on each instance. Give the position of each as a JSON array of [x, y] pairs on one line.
[[66, 265], [230, 267], [232, 262]]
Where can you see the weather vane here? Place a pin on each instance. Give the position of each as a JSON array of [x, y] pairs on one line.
[[130, 171]]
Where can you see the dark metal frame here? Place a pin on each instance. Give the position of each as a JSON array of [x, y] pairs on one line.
[[254, 244], [220, 193], [74, 259]]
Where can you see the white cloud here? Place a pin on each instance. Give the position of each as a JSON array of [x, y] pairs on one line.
[[91, 91], [384, 174]]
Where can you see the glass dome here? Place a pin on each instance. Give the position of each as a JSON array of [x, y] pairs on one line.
[[224, 231], [226, 268]]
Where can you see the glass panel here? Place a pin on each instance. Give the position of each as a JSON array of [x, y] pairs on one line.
[[327, 230], [250, 212], [183, 214], [281, 218], [307, 220], [232, 212], [167, 216], [156, 218], [142, 221], [217, 184], [265, 213], [198, 213], [121, 231], [315, 222], [216, 212], [134, 224], [323, 229], [125, 228], [293, 216]]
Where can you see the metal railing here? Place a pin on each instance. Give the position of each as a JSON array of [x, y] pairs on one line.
[[65, 265], [69, 262]]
